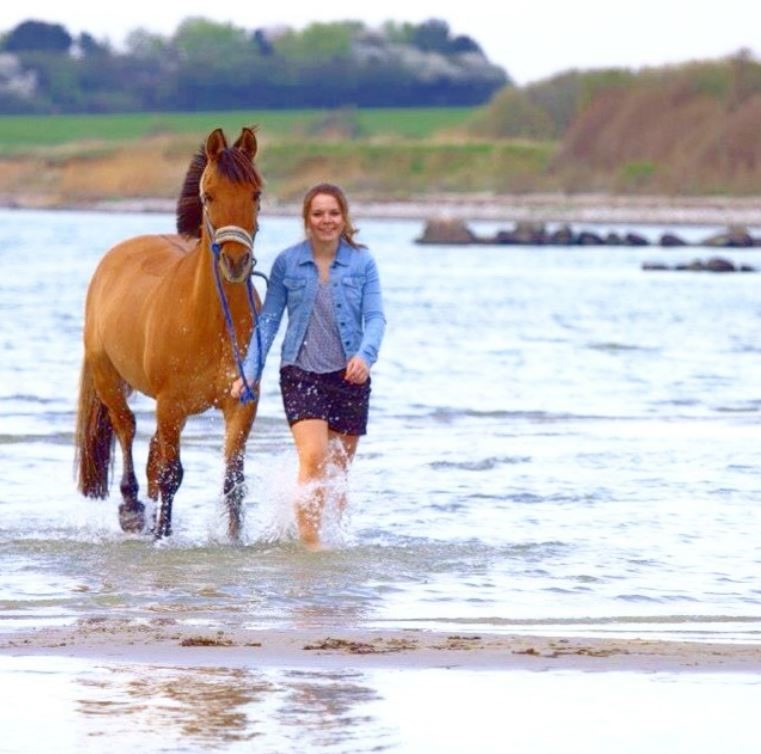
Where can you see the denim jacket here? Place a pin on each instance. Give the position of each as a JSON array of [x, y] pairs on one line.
[[357, 305]]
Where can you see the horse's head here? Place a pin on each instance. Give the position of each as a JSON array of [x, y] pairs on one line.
[[220, 200]]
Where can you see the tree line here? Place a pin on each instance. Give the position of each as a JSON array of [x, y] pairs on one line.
[[207, 65]]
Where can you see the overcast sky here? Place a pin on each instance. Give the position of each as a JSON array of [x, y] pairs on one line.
[[531, 39]]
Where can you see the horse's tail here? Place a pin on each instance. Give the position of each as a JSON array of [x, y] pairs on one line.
[[94, 439]]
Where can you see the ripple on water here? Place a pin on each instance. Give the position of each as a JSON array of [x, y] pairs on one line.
[[616, 347], [451, 414], [261, 578], [484, 464]]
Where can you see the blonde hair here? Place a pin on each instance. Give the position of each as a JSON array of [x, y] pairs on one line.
[[331, 189]]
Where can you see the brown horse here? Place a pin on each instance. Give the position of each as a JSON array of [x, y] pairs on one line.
[[154, 323]]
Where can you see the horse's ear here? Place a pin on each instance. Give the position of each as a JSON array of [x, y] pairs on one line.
[[215, 143], [247, 142]]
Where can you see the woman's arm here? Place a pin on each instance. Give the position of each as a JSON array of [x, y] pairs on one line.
[[269, 320], [373, 319]]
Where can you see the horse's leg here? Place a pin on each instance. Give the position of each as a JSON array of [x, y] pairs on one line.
[[113, 392], [152, 469], [170, 421], [238, 420]]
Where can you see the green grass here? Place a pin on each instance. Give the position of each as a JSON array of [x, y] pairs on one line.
[[376, 153], [414, 123], [21, 132]]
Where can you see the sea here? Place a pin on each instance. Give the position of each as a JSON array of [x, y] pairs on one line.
[[560, 443]]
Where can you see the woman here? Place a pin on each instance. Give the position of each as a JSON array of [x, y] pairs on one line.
[[330, 285]]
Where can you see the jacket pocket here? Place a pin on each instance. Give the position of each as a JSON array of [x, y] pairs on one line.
[[295, 287], [352, 287]]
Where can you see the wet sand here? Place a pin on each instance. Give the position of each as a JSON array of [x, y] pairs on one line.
[[165, 641]]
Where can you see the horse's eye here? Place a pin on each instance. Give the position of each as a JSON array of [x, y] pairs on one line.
[[207, 198]]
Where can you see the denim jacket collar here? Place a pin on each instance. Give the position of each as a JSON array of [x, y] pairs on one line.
[[343, 254]]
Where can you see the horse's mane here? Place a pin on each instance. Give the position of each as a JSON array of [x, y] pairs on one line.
[[232, 164]]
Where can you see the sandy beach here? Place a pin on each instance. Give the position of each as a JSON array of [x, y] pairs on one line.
[[167, 641]]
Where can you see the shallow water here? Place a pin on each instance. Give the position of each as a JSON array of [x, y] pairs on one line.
[[559, 443]]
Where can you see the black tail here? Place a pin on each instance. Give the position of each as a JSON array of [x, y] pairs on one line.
[[94, 440]]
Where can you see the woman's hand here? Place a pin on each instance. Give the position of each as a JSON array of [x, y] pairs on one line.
[[357, 370], [236, 389]]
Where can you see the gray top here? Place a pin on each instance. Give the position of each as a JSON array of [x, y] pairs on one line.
[[321, 350]]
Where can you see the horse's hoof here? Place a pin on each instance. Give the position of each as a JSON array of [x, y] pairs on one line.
[[132, 517], [160, 530]]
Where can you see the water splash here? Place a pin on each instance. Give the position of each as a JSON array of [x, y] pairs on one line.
[[278, 493]]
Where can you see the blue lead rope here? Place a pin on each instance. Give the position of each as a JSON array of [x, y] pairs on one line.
[[248, 393]]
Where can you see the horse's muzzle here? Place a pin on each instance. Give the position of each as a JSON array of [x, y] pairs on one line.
[[236, 271]]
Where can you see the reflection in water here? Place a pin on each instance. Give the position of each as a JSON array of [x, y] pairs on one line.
[[321, 707], [207, 707], [204, 704], [119, 707]]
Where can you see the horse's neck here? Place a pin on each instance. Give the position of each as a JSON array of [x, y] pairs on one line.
[[205, 296]]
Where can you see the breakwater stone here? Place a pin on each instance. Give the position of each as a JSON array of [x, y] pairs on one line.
[[713, 264], [525, 233]]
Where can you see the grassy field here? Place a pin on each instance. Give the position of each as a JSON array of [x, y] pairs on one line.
[[155, 167], [22, 133], [376, 154]]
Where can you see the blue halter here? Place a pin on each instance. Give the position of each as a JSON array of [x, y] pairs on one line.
[[216, 239]]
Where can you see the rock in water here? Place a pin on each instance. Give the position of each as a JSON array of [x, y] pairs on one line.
[[446, 231], [671, 239]]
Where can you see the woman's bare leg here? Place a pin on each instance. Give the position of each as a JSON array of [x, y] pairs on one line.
[[341, 450], [311, 438]]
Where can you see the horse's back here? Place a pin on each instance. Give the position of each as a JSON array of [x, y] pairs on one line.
[[129, 273], [149, 256]]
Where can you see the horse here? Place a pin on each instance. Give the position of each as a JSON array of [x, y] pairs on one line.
[[154, 324]]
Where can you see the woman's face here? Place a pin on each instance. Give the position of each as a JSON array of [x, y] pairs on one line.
[[325, 221]]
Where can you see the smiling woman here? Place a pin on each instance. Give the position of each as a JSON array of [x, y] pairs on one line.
[[329, 284]]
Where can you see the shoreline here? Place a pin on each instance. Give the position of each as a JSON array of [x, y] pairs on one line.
[[166, 642], [547, 208]]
